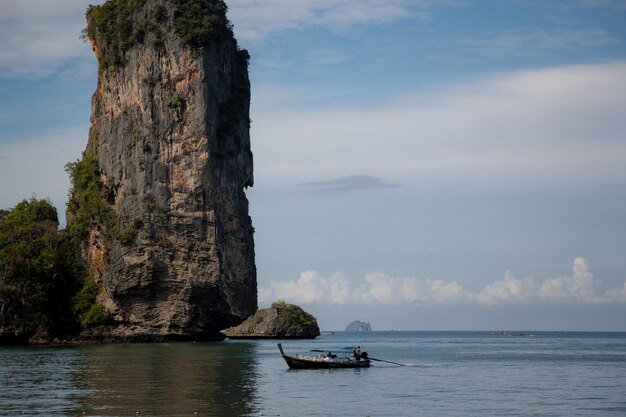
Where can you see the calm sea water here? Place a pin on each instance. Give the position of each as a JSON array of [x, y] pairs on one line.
[[447, 374]]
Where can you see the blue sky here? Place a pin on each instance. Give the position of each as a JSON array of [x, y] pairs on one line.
[[418, 164]]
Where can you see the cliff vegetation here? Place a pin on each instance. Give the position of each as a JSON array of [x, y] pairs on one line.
[[293, 315], [199, 22], [44, 291], [88, 205], [118, 25], [113, 23]]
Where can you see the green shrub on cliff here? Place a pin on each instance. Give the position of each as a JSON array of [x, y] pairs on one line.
[[89, 208], [198, 22], [85, 307], [87, 202], [116, 28], [176, 102], [294, 316], [111, 25], [130, 233], [95, 316]]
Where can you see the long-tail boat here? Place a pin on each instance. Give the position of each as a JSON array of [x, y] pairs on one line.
[[330, 360]]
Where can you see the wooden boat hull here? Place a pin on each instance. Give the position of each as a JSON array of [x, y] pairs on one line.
[[296, 363]]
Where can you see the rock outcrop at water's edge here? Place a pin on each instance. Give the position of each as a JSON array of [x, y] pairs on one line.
[[170, 246], [280, 321]]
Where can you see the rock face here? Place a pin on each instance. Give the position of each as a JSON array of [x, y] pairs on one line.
[[170, 133], [358, 326], [281, 321]]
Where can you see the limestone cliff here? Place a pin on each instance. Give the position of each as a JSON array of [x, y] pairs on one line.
[[173, 255]]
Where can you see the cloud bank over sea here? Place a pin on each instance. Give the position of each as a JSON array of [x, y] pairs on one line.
[[377, 288]]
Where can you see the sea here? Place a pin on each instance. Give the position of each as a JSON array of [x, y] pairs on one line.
[[444, 374]]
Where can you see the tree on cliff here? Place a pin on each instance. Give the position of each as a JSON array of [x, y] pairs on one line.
[[37, 273]]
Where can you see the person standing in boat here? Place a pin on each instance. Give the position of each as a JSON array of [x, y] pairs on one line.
[[357, 353]]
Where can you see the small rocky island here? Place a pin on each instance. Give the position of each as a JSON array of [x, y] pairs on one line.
[[359, 326], [280, 321]]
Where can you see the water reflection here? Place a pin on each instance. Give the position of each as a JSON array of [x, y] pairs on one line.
[[171, 379], [37, 381], [179, 379]]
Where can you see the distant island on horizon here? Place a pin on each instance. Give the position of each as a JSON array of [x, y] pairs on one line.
[[359, 326]]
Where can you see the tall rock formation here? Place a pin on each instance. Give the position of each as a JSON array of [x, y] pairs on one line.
[[171, 248]]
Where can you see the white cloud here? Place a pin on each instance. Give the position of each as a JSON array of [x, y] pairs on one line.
[[39, 37], [382, 289], [310, 287], [554, 126], [377, 289], [579, 287], [508, 289], [617, 295], [256, 19]]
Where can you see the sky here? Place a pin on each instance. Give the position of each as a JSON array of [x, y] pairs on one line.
[[419, 164]]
